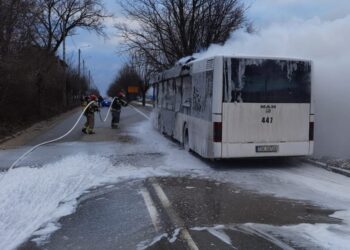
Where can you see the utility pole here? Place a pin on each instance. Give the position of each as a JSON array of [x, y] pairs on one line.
[[79, 62], [64, 49], [84, 67]]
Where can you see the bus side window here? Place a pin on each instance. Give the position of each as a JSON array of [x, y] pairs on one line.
[[155, 94], [171, 97], [178, 94], [159, 94], [186, 91], [168, 95], [163, 95]]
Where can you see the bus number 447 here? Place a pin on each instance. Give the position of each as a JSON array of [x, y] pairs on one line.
[[267, 119]]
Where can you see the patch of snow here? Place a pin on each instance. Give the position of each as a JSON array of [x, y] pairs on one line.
[[175, 235], [42, 235], [325, 236], [170, 237], [339, 163], [309, 236], [184, 60], [147, 243]]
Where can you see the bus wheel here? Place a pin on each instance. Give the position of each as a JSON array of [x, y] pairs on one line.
[[185, 143]]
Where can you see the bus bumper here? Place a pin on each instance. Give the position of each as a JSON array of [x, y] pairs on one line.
[[237, 150]]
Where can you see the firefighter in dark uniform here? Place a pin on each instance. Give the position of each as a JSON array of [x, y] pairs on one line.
[[118, 102], [90, 114]]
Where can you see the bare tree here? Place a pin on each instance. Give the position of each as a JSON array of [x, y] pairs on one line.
[[33, 77], [16, 20], [126, 77], [167, 30], [58, 19], [141, 65], [16, 25]]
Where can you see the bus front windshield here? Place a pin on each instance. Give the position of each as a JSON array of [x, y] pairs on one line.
[[266, 81]]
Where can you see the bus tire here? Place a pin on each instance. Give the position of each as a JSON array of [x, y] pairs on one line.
[[185, 139]]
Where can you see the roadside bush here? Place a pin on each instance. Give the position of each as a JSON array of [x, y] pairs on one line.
[[36, 85]]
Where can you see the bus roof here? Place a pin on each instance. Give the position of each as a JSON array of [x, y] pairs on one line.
[[253, 57], [176, 71], [184, 66]]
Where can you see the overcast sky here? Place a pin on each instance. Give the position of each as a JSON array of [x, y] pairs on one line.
[[102, 59]]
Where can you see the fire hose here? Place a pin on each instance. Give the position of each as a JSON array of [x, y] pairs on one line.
[[58, 138]]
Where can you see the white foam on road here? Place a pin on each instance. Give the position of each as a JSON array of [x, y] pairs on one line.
[[33, 199], [326, 236], [149, 243], [308, 236], [294, 181], [170, 237], [217, 231], [175, 235]]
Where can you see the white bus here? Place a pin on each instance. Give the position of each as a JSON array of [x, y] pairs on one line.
[[229, 107]]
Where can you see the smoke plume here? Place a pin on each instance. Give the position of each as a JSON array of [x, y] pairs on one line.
[[327, 44]]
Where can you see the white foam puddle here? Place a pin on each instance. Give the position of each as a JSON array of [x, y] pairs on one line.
[[217, 231]]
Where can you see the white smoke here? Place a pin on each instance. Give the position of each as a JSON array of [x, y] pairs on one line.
[[327, 44]]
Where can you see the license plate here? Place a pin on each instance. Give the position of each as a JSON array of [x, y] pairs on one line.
[[266, 148]]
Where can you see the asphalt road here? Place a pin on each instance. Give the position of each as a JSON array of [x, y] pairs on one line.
[[175, 211]]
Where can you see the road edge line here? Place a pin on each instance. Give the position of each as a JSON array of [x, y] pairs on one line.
[[152, 210], [175, 219], [140, 112]]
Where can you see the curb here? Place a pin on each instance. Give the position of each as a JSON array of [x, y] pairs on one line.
[[329, 167], [5, 139], [38, 126]]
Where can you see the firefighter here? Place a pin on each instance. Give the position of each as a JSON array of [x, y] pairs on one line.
[[84, 102], [117, 104], [90, 114], [100, 100]]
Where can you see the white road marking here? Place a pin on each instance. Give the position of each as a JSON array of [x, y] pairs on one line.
[[140, 112], [153, 213], [175, 219]]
